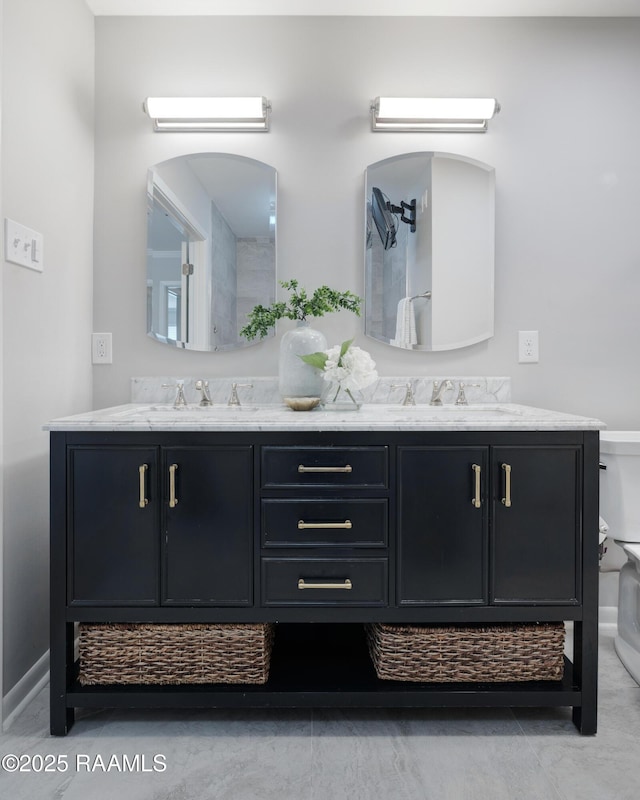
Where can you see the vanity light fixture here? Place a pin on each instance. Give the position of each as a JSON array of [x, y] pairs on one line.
[[440, 114], [229, 114]]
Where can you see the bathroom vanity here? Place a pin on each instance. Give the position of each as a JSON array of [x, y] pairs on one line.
[[320, 522]]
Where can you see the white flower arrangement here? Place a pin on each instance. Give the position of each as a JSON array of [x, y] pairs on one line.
[[349, 368]]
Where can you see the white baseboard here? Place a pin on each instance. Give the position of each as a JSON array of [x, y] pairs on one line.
[[608, 615], [19, 697]]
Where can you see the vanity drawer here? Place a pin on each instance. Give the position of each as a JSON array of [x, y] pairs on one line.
[[323, 581], [306, 523], [354, 467]]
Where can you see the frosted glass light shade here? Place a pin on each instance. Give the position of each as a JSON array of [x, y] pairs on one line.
[[208, 113], [445, 114]]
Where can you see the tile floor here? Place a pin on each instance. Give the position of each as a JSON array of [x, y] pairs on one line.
[[449, 754]]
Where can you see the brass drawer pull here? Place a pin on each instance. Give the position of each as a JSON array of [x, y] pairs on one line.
[[346, 584], [506, 500], [347, 468], [476, 500], [303, 526], [173, 500], [142, 471]]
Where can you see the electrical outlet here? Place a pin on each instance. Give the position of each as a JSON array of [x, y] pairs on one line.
[[528, 347], [101, 352]]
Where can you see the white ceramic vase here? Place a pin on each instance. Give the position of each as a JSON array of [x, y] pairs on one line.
[[297, 379]]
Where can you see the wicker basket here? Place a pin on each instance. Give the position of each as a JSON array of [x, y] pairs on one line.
[[174, 654], [439, 653]]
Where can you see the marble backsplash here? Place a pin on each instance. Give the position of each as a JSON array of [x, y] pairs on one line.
[[264, 391]]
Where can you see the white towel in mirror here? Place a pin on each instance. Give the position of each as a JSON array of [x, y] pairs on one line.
[[405, 325]]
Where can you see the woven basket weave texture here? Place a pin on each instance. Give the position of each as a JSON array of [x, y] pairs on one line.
[[443, 653], [127, 653]]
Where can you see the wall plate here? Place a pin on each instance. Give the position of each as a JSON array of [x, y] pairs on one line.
[[23, 246], [101, 348], [528, 347]]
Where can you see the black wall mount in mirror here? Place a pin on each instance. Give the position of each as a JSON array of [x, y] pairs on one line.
[[429, 251], [211, 248]]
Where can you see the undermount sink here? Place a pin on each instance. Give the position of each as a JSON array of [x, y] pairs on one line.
[[483, 410], [156, 411]]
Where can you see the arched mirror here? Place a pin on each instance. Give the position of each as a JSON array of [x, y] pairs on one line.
[[429, 251], [211, 248]]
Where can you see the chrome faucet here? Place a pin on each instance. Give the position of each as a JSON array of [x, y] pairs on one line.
[[203, 386], [409, 399], [234, 400], [180, 401], [461, 400], [439, 388]]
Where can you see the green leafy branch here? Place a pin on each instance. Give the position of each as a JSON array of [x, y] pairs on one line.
[[299, 306]]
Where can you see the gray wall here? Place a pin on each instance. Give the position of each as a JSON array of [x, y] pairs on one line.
[[564, 148], [47, 184]]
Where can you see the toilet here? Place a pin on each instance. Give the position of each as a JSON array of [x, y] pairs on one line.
[[620, 507]]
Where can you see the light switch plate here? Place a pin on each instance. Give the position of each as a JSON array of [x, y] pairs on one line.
[[23, 246]]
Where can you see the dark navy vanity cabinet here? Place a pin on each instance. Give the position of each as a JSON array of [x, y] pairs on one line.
[[181, 533], [322, 532]]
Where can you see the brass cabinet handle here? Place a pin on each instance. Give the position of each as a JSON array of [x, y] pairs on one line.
[[142, 472], [173, 500], [302, 468], [477, 502], [303, 526], [506, 500], [346, 584]]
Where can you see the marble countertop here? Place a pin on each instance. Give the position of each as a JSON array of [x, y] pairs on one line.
[[278, 417]]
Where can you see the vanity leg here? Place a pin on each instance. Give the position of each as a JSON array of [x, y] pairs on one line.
[[62, 718], [585, 634], [585, 665], [61, 632]]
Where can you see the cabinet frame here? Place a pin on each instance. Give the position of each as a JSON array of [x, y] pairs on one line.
[[357, 687]]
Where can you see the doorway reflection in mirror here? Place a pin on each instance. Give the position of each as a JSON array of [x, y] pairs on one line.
[[211, 248]]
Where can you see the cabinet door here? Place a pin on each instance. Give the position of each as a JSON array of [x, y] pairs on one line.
[[536, 525], [208, 525], [442, 525], [113, 526]]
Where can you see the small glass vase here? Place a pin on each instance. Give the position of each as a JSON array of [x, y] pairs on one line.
[[337, 398]]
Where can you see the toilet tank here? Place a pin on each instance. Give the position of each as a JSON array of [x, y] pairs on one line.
[[620, 484]]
